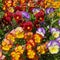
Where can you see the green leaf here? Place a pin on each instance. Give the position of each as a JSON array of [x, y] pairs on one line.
[[32, 17], [51, 38], [1, 5], [1, 14], [1, 32], [20, 41], [0, 0]]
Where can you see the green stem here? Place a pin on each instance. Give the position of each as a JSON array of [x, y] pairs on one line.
[[53, 21]]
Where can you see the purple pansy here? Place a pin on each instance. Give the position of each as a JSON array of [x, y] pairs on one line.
[[53, 43], [25, 14], [49, 10], [41, 31], [53, 46], [53, 29], [35, 10]]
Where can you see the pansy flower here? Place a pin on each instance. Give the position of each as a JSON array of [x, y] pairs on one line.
[[37, 23], [32, 42], [31, 54], [7, 16], [28, 46], [35, 10], [6, 46], [7, 19], [37, 38], [17, 8], [25, 14], [30, 9], [28, 26], [9, 3], [28, 35], [40, 16], [19, 49], [49, 10], [11, 9], [19, 33], [15, 55], [10, 37], [41, 49], [41, 31], [53, 47], [56, 34], [53, 29], [15, 3], [17, 16]]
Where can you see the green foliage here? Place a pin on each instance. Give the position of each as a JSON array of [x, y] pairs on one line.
[[1, 14]]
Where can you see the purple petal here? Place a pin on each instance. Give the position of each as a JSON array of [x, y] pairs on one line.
[[41, 30], [53, 29], [52, 43], [49, 10], [58, 39], [35, 10], [25, 14]]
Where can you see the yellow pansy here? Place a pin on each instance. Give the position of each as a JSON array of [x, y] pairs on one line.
[[37, 38], [19, 49], [31, 54], [54, 49], [56, 34], [10, 9], [8, 3], [41, 49], [10, 37], [6, 47], [20, 29], [29, 46], [15, 2], [15, 55], [19, 34]]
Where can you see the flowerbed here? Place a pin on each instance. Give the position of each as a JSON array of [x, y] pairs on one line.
[[29, 30]]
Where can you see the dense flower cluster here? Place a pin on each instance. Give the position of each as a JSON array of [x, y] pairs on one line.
[[35, 20]]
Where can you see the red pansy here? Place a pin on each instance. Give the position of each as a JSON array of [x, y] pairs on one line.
[[17, 16], [40, 16], [28, 26], [37, 23]]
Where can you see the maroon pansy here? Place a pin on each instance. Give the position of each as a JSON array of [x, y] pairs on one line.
[[40, 16], [28, 26], [17, 16], [36, 23]]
